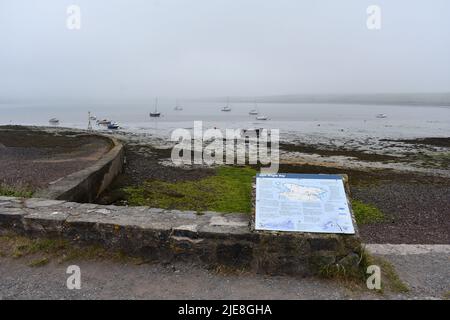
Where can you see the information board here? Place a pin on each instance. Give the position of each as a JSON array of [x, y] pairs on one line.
[[302, 203]]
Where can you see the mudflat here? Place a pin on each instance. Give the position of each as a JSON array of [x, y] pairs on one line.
[[32, 159]]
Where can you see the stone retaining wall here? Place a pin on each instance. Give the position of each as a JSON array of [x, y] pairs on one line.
[[86, 185], [164, 235]]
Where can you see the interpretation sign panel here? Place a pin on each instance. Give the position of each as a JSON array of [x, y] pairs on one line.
[[302, 203]]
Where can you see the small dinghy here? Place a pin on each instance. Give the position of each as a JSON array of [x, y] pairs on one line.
[[53, 121]]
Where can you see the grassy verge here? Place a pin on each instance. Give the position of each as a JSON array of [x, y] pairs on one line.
[[229, 190], [366, 213], [355, 277], [41, 251]]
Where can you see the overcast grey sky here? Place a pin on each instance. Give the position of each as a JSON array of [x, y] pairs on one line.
[[136, 49]]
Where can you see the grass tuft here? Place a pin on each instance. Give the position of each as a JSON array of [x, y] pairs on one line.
[[366, 213], [19, 192]]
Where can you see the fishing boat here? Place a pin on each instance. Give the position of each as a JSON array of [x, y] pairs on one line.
[[381, 116], [155, 114], [113, 126], [53, 121]]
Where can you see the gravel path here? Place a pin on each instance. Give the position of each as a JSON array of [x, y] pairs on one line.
[[426, 273]]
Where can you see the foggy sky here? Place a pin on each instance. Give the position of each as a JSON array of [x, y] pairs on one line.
[[137, 49]]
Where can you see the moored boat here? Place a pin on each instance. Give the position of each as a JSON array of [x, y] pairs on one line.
[[53, 121], [113, 126], [155, 114]]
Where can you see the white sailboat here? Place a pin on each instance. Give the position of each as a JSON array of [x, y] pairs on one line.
[[227, 108], [178, 107], [254, 111]]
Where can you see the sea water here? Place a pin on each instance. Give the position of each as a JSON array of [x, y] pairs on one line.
[[296, 121]]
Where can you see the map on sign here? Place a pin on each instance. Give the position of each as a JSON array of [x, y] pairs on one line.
[[302, 203]]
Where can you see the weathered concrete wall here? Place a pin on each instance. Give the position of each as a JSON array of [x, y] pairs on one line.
[[86, 185], [210, 238]]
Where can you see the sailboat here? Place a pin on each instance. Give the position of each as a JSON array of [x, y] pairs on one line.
[[178, 107], [254, 112], [227, 108], [155, 114]]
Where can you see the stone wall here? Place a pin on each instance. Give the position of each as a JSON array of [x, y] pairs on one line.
[[86, 185], [164, 235]]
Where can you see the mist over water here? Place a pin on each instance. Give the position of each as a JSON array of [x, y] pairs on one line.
[[127, 53]]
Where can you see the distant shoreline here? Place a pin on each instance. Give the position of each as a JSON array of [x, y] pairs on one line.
[[413, 99]]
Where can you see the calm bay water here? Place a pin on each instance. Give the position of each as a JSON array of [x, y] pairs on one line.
[[295, 121]]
